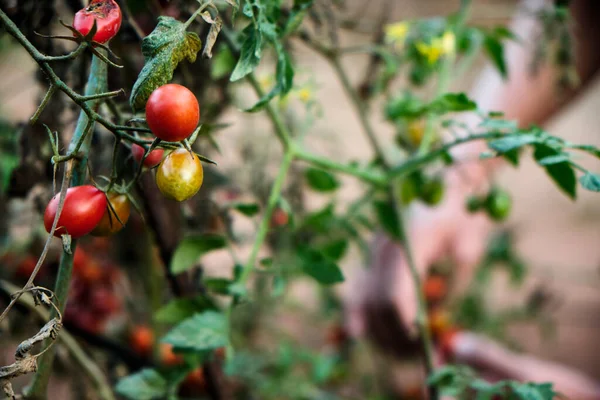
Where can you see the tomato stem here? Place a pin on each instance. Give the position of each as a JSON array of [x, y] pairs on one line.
[[80, 144]]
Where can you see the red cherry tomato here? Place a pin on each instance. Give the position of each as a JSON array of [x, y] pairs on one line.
[[104, 302], [279, 218], [153, 159], [83, 209], [26, 267], [435, 288], [172, 112], [107, 15], [141, 340]]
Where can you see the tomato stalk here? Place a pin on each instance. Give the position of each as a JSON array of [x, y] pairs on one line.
[[80, 143]]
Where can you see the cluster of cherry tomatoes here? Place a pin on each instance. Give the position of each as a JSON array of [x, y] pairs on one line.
[[441, 326], [93, 298], [172, 113], [142, 341]]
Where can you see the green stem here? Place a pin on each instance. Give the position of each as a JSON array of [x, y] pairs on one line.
[[281, 130], [325, 163], [263, 228], [445, 74], [81, 137], [416, 162]]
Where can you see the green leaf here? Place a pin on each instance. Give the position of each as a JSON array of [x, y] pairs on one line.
[[335, 249], [496, 124], [249, 55], [321, 180], [531, 391], [222, 63], [320, 267], [193, 247], [495, 51], [550, 160], [284, 77], [511, 142], [387, 217], [248, 209], [452, 102], [590, 181], [321, 220], [218, 285], [206, 331], [179, 309], [163, 50], [297, 14], [147, 384], [561, 173]]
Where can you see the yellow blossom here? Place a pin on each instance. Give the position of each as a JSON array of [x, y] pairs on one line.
[[431, 51], [396, 32], [449, 42], [265, 82], [304, 94]]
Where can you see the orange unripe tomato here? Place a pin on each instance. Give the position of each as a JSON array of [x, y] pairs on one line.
[[179, 176], [113, 219], [172, 112], [141, 340], [439, 322], [435, 288], [168, 357]]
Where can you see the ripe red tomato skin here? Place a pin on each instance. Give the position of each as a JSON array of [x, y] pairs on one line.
[[153, 159], [172, 112], [83, 209], [108, 20]]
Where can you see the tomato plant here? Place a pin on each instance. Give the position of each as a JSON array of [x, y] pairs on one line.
[[83, 209], [179, 176], [236, 289], [172, 112], [106, 14]]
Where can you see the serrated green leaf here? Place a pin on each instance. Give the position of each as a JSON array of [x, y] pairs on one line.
[[206, 331], [320, 267], [452, 102], [495, 51], [163, 50], [511, 142], [250, 54], [550, 160], [387, 217], [561, 173], [179, 309], [284, 77], [590, 181], [248, 209], [335, 249], [192, 248], [147, 384], [321, 180]]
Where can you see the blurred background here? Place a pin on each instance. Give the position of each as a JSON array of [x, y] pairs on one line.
[[556, 238]]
